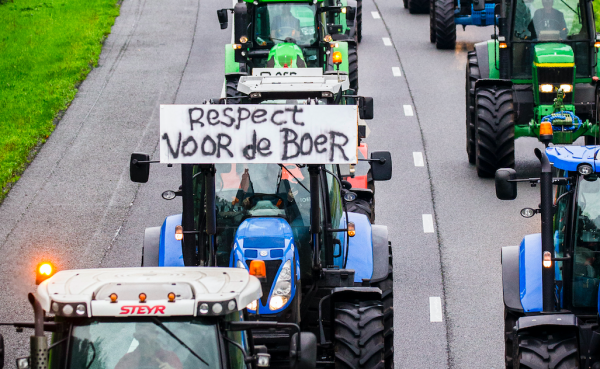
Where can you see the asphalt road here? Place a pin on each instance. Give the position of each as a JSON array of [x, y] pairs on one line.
[[76, 206]]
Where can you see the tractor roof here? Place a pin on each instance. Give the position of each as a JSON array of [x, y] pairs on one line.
[[118, 292], [570, 157], [280, 80]]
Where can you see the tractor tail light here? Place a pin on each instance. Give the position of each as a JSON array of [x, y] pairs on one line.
[[178, 233], [547, 262]]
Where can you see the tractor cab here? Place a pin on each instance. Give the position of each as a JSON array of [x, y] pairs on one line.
[[551, 280], [149, 318]]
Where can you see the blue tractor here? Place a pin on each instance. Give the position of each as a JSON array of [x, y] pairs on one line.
[[322, 267], [551, 280], [445, 15]]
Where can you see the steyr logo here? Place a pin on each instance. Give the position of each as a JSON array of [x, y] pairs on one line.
[[142, 309]]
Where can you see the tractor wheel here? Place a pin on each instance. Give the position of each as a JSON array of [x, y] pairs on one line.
[[494, 130], [432, 21], [232, 91], [353, 67], [418, 6], [359, 20], [510, 320], [387, 294], [445, 28], [545, 350], [359, 341], [473, 75], [405, 4]]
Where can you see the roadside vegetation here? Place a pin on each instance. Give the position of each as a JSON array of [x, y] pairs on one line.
[[47, 47]]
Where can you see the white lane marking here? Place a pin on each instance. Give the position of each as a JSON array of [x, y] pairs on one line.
[[418, 158], [375, 15], [435, 309], [387, 41], [396, 72], [408, 111], [427, 223]]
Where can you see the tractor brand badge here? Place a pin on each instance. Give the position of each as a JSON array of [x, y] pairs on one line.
[[142, 310]]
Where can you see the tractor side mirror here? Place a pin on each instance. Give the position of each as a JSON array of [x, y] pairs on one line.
[[350, 16], [223, 20], [139, 167], [307, 358], [381, 165], [506, 190], [365, 108]]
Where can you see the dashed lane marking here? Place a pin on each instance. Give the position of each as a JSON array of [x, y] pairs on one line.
[[408, 111], [375, 15], [387, 41], [427, 223], [435, 309], [396, 72], [418, 157]]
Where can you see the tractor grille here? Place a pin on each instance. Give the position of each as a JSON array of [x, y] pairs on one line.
[[272, 267], [555, 76]]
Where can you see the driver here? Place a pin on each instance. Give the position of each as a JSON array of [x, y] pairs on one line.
[[285, 25], [550, 19], [148, 354]]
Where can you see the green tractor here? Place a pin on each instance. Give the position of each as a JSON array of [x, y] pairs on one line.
[[294, 35], [540, 67]]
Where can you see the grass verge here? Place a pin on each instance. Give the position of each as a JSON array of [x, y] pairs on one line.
[[47, 47]]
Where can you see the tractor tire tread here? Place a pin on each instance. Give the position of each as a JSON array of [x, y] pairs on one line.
[[353, 67], [473, 74], [418, 6], [545, 350], [445, 27]]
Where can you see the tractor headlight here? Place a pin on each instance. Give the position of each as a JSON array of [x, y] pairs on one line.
[[546, 88], [283, 287], [566, 88]]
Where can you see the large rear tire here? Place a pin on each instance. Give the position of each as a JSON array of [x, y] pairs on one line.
[[445, 28], [473, 75], [494, 130], [359, 341], [510, 320], [432, 21], [418, 6], [353, 67], [231, 90], [359, 20], [387, 296], [546, 350]]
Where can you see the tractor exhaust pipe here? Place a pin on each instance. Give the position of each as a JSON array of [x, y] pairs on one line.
[[547, 233], [38, 343]]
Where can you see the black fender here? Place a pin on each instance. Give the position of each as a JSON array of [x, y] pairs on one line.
[[557, 320], [510, 278], [484, 82], [151, 247], [381, 253]]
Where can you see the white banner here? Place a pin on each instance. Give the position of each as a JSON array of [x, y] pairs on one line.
[[301, 134]]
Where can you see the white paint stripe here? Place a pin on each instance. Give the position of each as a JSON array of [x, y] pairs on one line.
[[418, 157], [396, 72], [427, 223], [435, 309], [375, 15], [387, 41], [408, 111]]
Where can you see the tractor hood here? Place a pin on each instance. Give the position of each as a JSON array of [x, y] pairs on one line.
[[553, 53], [286, 55], [570, 157]]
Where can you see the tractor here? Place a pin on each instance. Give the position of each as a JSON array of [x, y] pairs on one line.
[[551, 280], [150, 318], [292, 34], [445, 15], [540, 67], [278, 208]]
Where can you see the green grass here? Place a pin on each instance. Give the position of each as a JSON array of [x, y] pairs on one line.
[[47, 47]]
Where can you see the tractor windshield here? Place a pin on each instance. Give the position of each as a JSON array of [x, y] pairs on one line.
[[144, 344], [586, 266], [280, 22], [535, 21]]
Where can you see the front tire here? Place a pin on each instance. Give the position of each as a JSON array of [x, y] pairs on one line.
[[445, 27], [494, 130], [387, 296], [510, 320], [473, 75], [359, 20], [432, 21], [231, 90], [546, 350], [359, 341], [353, 67], [418, 6], [405, 4]]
